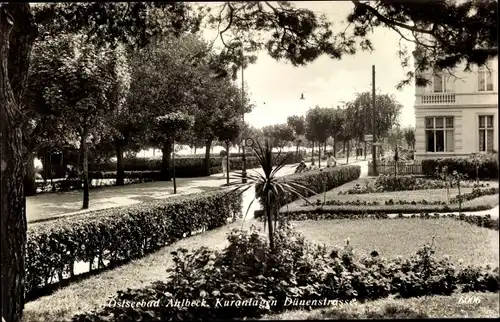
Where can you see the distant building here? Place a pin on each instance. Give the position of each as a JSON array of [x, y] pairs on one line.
[[457, 116]]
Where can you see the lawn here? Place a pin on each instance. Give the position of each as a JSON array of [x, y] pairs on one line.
[[393, 237], [422, 307], [389, 237], [430, 195]]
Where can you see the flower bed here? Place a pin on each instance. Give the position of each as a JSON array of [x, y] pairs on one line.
[[387, 183], [247, 280], [476, 193], [113, 236]]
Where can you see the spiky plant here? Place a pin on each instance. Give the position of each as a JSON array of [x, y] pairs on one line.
[[271, 190]]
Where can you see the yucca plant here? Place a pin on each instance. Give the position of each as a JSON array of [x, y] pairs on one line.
[[270, 190]]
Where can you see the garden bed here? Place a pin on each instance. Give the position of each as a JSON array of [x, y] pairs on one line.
[[410, 201]]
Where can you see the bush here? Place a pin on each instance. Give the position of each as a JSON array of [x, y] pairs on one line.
[[487, 166], [120, 234], [193, 166], [298, 274], [389, 183]]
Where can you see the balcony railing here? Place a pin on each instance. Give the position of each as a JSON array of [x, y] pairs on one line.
[[437, 99], [465, 99]]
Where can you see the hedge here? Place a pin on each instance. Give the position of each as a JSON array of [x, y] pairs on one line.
[[120, 234], [487, 166], [481, 221], [187, 167], [318, 181]]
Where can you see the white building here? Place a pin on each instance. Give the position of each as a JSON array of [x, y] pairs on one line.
[[457, 115]]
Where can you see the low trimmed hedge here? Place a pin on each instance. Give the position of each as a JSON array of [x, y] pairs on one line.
[[487, 166], [482, 221], [323, 180], [187, 167], [120, 234]]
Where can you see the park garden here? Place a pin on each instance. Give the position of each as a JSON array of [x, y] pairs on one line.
[[92, 81]]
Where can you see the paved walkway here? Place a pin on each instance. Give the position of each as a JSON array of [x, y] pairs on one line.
[[52, 205]]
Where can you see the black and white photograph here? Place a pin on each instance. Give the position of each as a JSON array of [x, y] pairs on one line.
[[249, 160]]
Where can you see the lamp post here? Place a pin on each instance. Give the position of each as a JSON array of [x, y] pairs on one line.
[[244, 158]]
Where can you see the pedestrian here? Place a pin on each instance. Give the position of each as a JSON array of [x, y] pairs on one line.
[[313, 165], [331, 161], [301, 167], [224, 163]]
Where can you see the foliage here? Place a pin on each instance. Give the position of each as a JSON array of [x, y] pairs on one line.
[[409, 136], [120, 234], [172, 125], [387, 112], [297, 123], [487, 166], [247, 270], [445, 33], [476, 193], [318, 124], [404, 182], [279, 134]]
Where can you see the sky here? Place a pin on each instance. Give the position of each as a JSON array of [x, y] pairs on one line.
[[275, 87]]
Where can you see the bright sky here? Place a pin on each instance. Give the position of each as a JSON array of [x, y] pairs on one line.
[[325, 81]]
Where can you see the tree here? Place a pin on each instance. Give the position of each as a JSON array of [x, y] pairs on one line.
[[318, 122], [409, 136], [297, 123], [167, 128], [279, 134], [335, 129], [227, 131], [395, 136], [88, 85], [163, 82], [446, 33]]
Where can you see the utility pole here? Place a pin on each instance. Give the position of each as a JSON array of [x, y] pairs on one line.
[[374, 125], [244, 157]]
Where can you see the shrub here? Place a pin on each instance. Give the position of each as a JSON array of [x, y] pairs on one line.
[[487, 166], [389, 183], [120, 234], [193, 166], [246, 271]]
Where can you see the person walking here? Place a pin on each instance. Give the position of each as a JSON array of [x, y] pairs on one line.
[[224, 163]]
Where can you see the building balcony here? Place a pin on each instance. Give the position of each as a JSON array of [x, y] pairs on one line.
[[457, 99]]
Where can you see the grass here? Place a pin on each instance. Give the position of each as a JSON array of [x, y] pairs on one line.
[[393, 237], [421, 307], [390, 237], [430, 195]]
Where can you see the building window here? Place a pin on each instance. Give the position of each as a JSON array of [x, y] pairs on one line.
[[439, 135], [439, 84], [485, 80], [486, 133]]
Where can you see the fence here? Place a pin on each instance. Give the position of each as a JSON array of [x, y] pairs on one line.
[[414, 167]]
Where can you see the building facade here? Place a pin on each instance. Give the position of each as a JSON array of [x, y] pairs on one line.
[[456, 115]]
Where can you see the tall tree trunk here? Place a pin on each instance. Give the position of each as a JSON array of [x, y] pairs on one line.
[[348, 150], [84, 152], [297, 148], [29, 177], [195, 149], [319, 155], [312, 150], [343, 147], [334, 147], [17, 33], [324, 150], [166, 151], [173, 167], [207, 157], [227, 162], [120, 167]]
